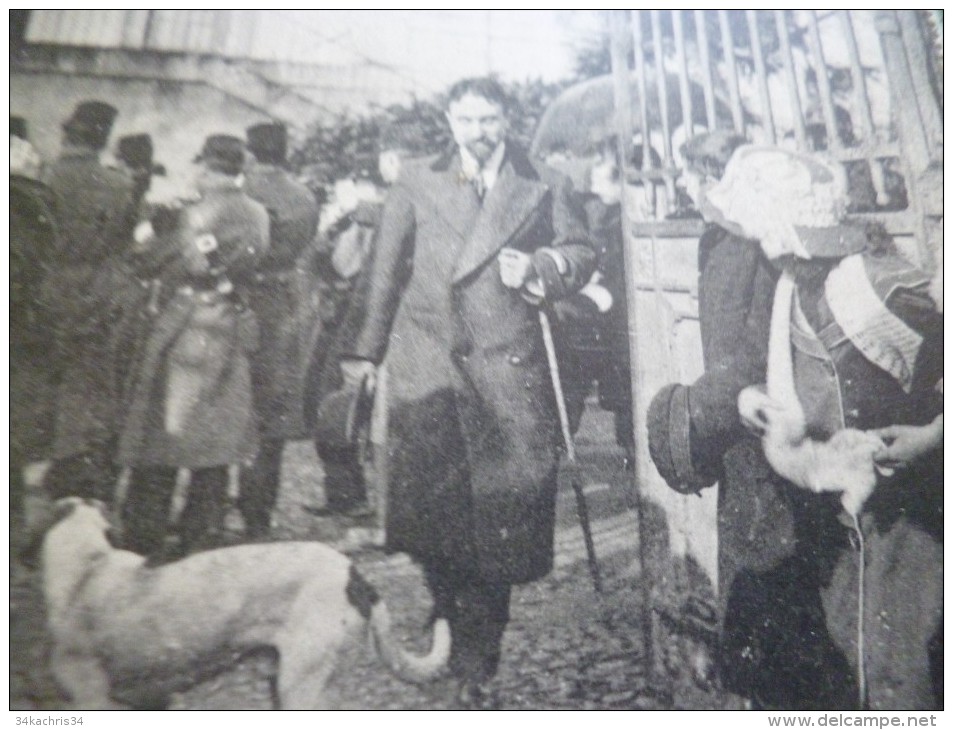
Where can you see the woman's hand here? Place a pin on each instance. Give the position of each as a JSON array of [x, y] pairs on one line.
[[757, 409], [905, 444]]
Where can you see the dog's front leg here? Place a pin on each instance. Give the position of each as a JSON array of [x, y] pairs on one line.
[[83, 678]]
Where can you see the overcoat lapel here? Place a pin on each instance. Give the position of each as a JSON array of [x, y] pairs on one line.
[[455, 202], [505, 207]]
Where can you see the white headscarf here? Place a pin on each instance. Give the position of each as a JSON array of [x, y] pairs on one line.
[[767, 191]]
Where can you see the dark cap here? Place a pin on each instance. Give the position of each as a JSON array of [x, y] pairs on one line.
[[668, 423], [18, 127], [136, 150], [268, 142], [223, 153], [91, 123]]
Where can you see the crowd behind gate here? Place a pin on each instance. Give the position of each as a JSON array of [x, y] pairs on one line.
[[159, 342]]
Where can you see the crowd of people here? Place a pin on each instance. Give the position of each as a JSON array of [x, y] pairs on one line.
[[155, 345]]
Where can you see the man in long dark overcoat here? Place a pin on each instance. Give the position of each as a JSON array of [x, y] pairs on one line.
[[190, 402], [94, 206], [277, 368], [467, 243]]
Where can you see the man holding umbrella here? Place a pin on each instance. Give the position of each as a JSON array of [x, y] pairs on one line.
[[469, 245]]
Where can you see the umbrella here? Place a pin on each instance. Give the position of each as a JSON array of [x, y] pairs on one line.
[[584, 114]]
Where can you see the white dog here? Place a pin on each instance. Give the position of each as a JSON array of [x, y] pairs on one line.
[[118, 623]]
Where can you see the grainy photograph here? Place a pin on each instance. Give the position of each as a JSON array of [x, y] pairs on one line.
[[476, 360]]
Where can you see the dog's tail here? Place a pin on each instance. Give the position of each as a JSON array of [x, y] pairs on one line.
[[409, 667]]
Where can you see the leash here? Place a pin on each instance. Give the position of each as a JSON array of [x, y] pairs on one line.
[[581, 508], [861, 668]]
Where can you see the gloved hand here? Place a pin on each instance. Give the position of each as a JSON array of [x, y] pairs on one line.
[[357, 372], [515, 267], [551, 267]]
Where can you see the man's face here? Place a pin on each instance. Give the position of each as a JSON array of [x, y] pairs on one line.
[[604, 181], [477, 124]]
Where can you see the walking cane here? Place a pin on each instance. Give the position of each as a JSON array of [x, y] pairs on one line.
[[581, 508]]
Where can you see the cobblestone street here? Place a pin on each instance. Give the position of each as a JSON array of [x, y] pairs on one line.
[[567, 646]]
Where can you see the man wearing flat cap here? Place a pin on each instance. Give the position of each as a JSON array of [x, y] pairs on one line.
[[190, 404], [276, 298], [94, 212], [135, 152]]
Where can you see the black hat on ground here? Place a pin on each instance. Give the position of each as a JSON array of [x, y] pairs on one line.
[[18, 127], [223, 153], [91, 123], [268, 142], [343, 416]]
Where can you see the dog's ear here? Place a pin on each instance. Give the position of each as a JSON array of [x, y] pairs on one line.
[[63, 508]]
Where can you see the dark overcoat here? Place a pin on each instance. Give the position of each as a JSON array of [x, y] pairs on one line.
[[33, 236], [473, 441], [94, 210], [190, 398], [281, 303]]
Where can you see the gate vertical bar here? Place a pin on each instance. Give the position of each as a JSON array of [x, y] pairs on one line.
[[619, 21], [857, 74], [800, 133], [661, 87], [684, 85], [704, 52], [638, 46], [728, 48], [863, 105], [757, 53], [824, 83]]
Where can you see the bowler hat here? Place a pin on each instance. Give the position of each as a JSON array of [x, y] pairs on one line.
[[136, 150], [223, 153], [343, 416], [91, 122], [18, 127], [268, 141]]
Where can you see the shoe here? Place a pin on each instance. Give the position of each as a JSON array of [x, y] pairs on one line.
[[477, 696]]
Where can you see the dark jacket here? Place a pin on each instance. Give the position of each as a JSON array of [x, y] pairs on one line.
[[190, 399], [94, 206], [840, 384], [281, 303], [473, 437], [33, 241]]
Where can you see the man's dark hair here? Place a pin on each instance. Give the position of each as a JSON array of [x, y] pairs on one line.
[[489, 88]]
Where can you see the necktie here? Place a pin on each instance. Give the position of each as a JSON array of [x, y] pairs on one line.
[[479, 186]]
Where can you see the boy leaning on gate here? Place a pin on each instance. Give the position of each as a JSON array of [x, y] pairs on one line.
[[853, 413]]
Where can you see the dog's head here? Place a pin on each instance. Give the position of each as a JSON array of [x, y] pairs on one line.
[[93, 513]]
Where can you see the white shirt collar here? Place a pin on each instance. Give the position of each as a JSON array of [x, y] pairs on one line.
[[490, 171]]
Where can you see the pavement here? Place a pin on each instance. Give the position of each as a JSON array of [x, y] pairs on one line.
[[567, 645]]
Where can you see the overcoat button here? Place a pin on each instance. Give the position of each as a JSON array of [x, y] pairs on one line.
[[515, 360]]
